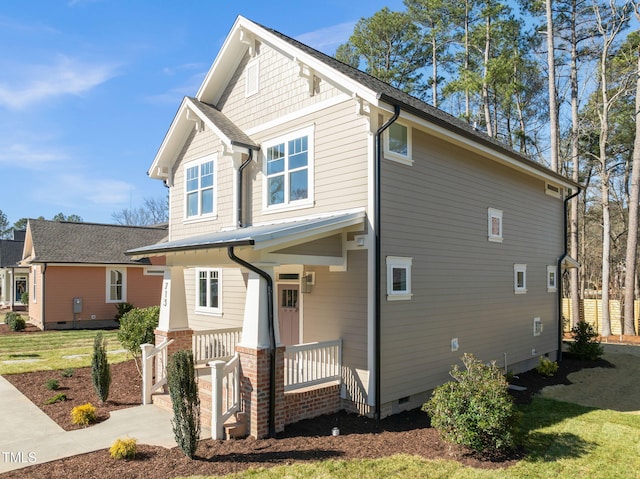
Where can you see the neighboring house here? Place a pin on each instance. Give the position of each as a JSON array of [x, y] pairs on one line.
[[79, 272], [13, 277], [356, 239]]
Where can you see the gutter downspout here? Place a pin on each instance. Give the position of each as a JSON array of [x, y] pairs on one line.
[[378, 250], [272, 336], [559, 271], [240, 183]]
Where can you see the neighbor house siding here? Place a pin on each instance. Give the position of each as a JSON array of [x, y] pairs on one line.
[[336, 308], [463, 285]]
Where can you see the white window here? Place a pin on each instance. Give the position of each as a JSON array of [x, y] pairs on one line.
[[208, 290], [116, 285], [288, 165], [552, 285], [398, 278], [397, 144], [252, 78], [35, 286], [537, 326], [520, 278], [494, 226], [200, 184]]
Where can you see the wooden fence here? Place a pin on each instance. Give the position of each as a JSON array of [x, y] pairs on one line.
[[591, 312]]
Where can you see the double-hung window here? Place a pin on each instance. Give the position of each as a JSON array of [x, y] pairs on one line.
[[116, 285], [289, 170], [208, 290], [494, 219], [200, 187]]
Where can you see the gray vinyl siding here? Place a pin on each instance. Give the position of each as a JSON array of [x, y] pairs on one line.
[[233, 300], [337, 308], [463, 285]]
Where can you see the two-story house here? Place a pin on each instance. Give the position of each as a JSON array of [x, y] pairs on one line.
[[345, 242]]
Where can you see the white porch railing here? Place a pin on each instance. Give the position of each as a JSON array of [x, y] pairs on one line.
[[152, 382], [225, 397], [311, 364], [215, 344]]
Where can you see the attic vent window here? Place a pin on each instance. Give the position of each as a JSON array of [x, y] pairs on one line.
[[288, 277], [252, 78], [553, 190]]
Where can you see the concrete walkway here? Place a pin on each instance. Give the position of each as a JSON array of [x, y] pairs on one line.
[[28, 436]]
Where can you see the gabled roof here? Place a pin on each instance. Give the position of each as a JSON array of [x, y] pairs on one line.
[[86, 243], [262, 236], [10, 253]]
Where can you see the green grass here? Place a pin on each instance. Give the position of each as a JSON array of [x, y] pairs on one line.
[[562, 441], [50, 350]]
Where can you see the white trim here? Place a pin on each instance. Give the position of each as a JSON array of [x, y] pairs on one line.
[[154, 271], [394, 155], [492, 214], [398, 262], [552, 279], [197, 163], [210, 310], [537, 326], [552, 189], [252, 78], [517, 288], [123, 299], [287, 204]]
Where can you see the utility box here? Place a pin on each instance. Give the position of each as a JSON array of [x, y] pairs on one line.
[[77, 305]]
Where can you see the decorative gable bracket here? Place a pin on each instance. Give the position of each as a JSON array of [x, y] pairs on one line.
[[309, 74], [249, 38]]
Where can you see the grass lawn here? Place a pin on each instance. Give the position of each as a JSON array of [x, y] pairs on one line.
[[562, 441], [21, 353]]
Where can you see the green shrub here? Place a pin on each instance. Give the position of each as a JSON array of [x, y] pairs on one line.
[[68, 373], [136, 328], [123, 449], [84, 414], [60, 397], [15, 321], [122, 309], [585, 343], [475, 410], [546, 367], [183, 390], [24, 298], [100, 372], [52, 384], [9, 316]]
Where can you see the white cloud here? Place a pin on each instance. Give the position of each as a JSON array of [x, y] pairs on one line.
[[85, 193], [37, 83], [328, 39], [27, 156]]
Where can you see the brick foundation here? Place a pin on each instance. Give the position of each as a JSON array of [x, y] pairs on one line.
[[312, 403], [182, 339]]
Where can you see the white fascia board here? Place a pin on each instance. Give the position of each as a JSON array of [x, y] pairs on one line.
[[474, 146], [177, 129]]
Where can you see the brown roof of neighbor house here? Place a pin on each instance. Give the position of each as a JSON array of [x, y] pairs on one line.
[[89, 243], [410, 104]]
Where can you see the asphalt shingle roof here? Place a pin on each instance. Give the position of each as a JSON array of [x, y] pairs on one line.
[[10, 253], [69, 242]]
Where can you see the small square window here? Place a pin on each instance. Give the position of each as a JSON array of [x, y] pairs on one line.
[[494, 217], [552, 286], [520, 278], [398, 278], [398, 143]]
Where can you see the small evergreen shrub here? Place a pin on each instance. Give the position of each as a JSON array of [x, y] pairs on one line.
[[546, 367], [122, 309], [183, 390], [15, 321], [123, 449], [475, 410], [52, 384], [60, 397], [24, 298], [136, 328], [68, 373], [84, 414], [585, 343], [100, 372], [9, 316]]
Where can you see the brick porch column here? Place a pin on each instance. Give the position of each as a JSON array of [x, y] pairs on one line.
[[255, 389]]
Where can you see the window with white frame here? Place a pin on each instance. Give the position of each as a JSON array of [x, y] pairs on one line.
[[397, 143], [116, 285], [208, 290], [552, 286], [399, 278], [520, 278], [200, 183], [252, 78], [35, 286], [494, 226], [289, 170]]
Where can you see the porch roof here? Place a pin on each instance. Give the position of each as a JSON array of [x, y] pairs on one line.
[[260, 237]]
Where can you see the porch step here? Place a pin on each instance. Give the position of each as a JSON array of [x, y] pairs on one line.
[[237, 427], [162, 400]]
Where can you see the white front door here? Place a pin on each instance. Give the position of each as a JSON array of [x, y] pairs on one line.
[[289, 313]]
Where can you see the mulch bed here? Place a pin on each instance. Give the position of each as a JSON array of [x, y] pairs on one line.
[[310, 440]]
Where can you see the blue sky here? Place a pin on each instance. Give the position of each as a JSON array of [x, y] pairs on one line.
[[88, 89]]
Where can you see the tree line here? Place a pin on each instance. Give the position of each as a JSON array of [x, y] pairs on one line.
[[556, 80]]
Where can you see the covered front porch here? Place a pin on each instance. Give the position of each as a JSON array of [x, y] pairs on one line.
[[280, 362]]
